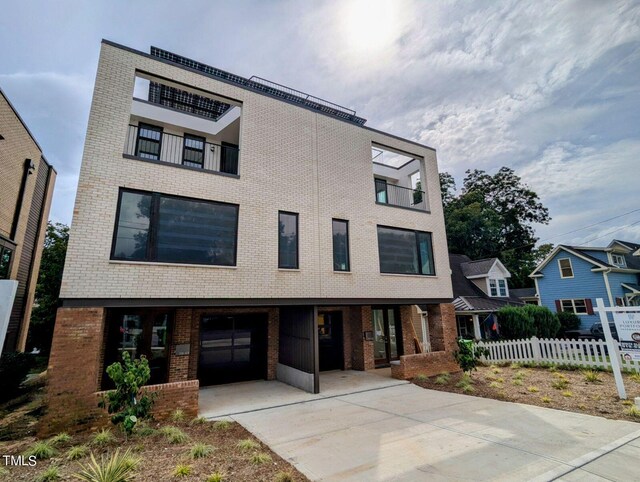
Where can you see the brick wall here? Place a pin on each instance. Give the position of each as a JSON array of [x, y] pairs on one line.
[[408, 332], [362, 350]]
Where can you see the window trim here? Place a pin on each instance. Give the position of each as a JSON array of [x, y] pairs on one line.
[[151, 255], [573, 306], [623, 262], [417, 247], [185, 148], [570, 267], [348, 269], [297, 216], [159, 129]]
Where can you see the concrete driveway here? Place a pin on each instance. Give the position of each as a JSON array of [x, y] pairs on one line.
[[403, 432]]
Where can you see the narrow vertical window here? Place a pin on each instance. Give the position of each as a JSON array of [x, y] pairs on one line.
[[5, 261], [502, 287], [148, 141], [493, 287], [193, 152], [287, 240], [566, 270], [132, 227], [341, 245]]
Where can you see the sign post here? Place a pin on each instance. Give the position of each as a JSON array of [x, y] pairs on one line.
[[612, 349]]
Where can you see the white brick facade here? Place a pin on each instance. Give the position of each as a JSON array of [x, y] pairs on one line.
[[291, 159]]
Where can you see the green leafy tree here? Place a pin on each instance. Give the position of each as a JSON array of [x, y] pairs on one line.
[[128, 403], [47, 295], [469, 355], [493, 216], [545, 321], [515, 323]]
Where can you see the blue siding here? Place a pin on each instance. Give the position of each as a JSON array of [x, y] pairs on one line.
[[584, 284], [601, 255], [615, 281]]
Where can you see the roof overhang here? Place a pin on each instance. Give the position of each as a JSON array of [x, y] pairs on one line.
[[536, 272]]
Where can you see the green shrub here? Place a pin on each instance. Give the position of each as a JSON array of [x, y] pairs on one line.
[[117, 468], [545, 322], [635, 377], [515, 323], [222, 425], [51, 474], [182, 470], [14, 368], [560, 384], [178, 415], [468, 355], [174, 435], [127, 402], [77, 452], [199, 421], [495, 385], [421, 377], [260, 458], [442, 379], [567, 393], [568, 321], [200, 451], [247, 444], [41, 450], [60, 438], [283, 477], [591, 376], [103, 437], [533, 389], [517, 382], [633, 412], [215, 477], [545, 400]]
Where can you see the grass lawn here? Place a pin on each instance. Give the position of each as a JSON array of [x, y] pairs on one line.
[[181, 450], [589, 392]]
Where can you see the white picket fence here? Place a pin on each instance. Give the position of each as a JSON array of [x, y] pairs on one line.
[[584, 353]]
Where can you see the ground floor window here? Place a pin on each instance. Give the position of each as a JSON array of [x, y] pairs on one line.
[[465, 326], [577, 306], [140, 333]]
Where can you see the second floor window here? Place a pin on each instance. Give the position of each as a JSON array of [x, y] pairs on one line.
[[404, 251], [6, 254], [498, 287], [148, 141], [287, 240], [171, 229], [193, 151], [618, 260], [341, 245], [566, 270]]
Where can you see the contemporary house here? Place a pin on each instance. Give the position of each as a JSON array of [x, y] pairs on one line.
[[232, 228], [26, 188], [480, 288], [571, 278]]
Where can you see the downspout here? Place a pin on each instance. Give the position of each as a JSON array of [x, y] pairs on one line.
[[28, 168], [606, 283]]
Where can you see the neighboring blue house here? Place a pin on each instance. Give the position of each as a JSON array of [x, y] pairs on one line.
[[572, 277]]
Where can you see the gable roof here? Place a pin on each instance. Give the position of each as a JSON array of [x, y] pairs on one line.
[[581, 252], [626, 244], [523, 292]]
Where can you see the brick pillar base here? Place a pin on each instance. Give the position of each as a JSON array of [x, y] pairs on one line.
[[74, 370], [360, 320], [408, 332]]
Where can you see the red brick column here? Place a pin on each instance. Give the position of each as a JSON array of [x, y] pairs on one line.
[[406, 323], [179, 364], [273, 341], [74, 369], [362, 350]]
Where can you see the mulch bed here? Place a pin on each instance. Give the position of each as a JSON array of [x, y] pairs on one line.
[[578, 395], [159, 458]]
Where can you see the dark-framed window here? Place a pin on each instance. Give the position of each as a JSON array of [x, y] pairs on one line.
[[149, 141], [229, 158], [193, 151], [405, 251], [140, 332], [172, 229], [341, 260], [287, 240], [6, 256]]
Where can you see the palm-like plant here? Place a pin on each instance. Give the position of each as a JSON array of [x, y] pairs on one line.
[[117, 468]]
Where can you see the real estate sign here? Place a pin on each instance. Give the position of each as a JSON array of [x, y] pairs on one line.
[[628, 327]]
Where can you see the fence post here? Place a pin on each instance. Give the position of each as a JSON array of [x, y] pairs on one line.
[[535, 346]]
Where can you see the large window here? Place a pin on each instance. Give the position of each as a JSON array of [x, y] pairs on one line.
[[193, 151], [162, 228], [341, 245], [566, 270], [148, 141], [498, 287], [579, 307], [403, 251], [287, 240]]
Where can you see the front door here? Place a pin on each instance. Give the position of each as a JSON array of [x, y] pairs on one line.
[[387, 338], [330, 340]]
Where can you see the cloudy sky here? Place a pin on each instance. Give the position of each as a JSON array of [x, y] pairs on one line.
[[551, 89]]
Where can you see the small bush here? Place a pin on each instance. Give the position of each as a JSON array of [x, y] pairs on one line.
[[200, 451], [635, 377], [633, 412], [222, 425], [560, 384], [545, 400], [533, 389], [496, 370], [199, 421], [568, 321], [442, 379], [515, 323], [41, 450], [103, 437], [260, 458], [77, 452], [520, 374], [421, 377], [582, 406], [627, 403], [60, 438], [215, 477], [591, 376], [14, 368], [515, 366], [545, 322], [468, 388], [178, 416], [283, 477], [174, 435], [117, 467], [495, 385], [468, 355], [517, 382], [567, 393], [49, 475], [553, 368], [4, 472], [247, 444], [146, 431], [182, 470]]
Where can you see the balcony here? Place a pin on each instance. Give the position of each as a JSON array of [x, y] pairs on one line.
[[149, 143], [399, 196]]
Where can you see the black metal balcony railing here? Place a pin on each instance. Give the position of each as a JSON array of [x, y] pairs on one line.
[[169, 148], [399, 196]]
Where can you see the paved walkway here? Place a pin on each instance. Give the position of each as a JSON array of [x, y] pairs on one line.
[[403, 432]]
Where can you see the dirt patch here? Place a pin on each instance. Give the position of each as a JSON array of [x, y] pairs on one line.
[[546, 387], [159, 458]]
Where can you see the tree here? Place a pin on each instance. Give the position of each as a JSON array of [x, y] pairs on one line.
[[493, 217], [48, 287]]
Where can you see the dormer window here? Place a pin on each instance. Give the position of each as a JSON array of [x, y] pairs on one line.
[[618, 260], [498, 287], [566, 270]]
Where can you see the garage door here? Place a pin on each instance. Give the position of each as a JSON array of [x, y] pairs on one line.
[[233, 348]]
